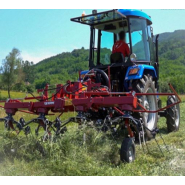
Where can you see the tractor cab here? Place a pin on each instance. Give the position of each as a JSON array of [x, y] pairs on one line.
[[105, 28]]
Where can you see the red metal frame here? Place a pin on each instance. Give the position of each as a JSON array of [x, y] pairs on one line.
[[77, 96], [162, 94]]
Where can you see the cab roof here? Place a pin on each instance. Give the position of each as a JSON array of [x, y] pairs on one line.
[[111, 15], [135, 13]]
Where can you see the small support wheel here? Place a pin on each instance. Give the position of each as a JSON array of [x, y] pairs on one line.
[[127, 152], [173, 115]]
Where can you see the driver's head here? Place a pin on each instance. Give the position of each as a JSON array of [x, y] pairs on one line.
[[122, 35]]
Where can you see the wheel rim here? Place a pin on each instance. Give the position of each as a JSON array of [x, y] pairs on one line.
[[131, 154], [150, 105]]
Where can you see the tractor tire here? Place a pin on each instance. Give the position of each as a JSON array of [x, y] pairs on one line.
[[172, 115], [127, 152], [147, 85]]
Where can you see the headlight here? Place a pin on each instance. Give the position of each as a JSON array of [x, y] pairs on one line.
[[133, 71]]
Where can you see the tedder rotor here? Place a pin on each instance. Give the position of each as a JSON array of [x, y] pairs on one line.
[[115, 92]]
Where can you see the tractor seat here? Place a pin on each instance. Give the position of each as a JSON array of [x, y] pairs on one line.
[[117, 58]]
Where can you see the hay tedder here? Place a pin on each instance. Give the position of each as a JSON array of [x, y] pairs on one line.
[[115, 93]]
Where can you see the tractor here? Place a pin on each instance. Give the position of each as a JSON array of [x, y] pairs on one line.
[[139, 72], [116, 94]]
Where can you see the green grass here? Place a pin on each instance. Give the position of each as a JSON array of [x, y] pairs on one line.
[[4, 94], [98, 155]]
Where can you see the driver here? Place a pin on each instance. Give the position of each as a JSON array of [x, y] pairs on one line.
[[120, 46]]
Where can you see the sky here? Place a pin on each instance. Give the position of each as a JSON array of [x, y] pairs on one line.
[[40, 34]]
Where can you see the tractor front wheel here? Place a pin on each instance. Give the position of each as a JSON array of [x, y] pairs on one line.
[[147, 85]]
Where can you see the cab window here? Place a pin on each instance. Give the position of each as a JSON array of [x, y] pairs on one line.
[[107, 42], [139, 36]]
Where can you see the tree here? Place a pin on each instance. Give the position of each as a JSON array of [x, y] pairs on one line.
[[10, 69], [28, 70]]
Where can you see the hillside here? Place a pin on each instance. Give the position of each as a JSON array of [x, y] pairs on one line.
[[172, 60], [177, 34], [61, 67], [64, 66]]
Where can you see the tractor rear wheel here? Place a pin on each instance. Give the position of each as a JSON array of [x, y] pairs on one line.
[[173, 115], [147, 85], [127, 152]]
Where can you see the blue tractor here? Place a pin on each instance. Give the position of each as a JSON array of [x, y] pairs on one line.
[[139, 72]]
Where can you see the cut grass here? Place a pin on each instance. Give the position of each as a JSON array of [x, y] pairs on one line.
[[98, 155]]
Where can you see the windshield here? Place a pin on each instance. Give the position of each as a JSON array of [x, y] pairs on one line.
[[104, 38], [139, 37], [107, 42]]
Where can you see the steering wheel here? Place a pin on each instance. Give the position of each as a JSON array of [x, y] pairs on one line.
[[101, 77]]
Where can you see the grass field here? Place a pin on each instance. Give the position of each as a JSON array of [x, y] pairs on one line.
[[13, 94], [98, 155]]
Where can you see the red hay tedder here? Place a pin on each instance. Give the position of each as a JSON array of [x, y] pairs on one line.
[[117, 93]]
